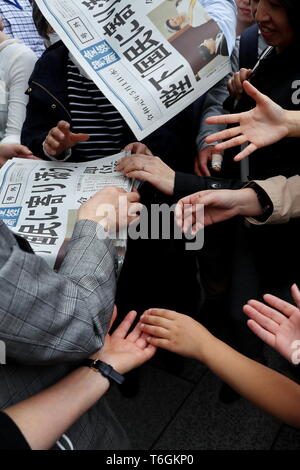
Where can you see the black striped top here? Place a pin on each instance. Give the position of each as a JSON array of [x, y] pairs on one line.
[[93, 114]]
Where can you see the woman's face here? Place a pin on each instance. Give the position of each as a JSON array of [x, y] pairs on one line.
[[273, 23]]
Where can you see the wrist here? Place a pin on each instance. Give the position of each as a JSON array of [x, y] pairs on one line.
[[292, 123], [206, 348], [249, 205]]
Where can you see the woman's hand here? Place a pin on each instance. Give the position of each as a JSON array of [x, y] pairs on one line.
[[125, 351], [264, 125], [218, 205], [277, 325], [8, 151], [149, 168], [138, 147], [60, 138], [235, 83]]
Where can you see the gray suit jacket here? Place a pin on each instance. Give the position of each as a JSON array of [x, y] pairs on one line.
[[49, 321]]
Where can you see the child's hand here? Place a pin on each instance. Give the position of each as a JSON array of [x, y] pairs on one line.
[[175, 332]]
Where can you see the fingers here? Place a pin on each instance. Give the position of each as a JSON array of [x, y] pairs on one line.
[[22, 150], [133, 163], [284, 307], [266, 311], [133, 197], [56, 137], [161, 312], [222, 119], [126, 324], [245, 153], [254, 93], [264, 335], [223, 135], [63, 126], [296, 294], [138, 147], [240, 140], [235, 84], [261, 318], [79, 137]]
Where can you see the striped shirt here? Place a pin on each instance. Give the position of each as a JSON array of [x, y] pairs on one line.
[[94, 115], [18, 23]]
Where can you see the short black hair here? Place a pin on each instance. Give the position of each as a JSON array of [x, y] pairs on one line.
[[40, 21], [172, 28], [204, 52], [292, 8]]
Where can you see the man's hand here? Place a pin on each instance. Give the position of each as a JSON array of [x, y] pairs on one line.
[[138, 147], [175, 332], [219, 205], [151, 169], [8, 151], [112, 207], [264, 125], [277, 325], [125, 351], [235, 83], [60, 138]]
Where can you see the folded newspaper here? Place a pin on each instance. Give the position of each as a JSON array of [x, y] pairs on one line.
[[39, 200], [150, 58]]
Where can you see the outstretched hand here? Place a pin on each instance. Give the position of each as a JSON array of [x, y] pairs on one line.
[[264, 125], [125, 351], [277, 325], [218, 205]]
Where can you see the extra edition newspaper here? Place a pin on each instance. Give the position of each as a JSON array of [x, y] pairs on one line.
[[150, 58], [39, 200]]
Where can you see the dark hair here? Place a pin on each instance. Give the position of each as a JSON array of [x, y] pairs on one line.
[[292, 8], [40, 22], [173, 28], [204, 53]]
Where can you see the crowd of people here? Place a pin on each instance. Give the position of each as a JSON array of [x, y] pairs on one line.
[[239, 160]]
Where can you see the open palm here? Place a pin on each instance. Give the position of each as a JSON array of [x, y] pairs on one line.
[[126, 351], [264, 125], [277, 325]]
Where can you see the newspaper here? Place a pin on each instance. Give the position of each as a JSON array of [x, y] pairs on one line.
[[39, 200], [150, 58]]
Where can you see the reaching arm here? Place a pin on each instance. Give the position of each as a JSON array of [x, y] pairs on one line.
[[264, 387], [264, 125], [58, 317], [44, 417]]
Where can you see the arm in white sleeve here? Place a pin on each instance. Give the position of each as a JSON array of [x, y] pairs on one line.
[[224, 14], [18, 75]]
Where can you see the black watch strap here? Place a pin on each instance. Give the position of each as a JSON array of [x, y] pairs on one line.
[[105, 369]]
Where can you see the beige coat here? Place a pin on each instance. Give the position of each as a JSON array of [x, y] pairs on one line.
[[285, 196]]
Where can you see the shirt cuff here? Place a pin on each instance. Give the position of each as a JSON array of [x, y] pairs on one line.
[[67, 153]]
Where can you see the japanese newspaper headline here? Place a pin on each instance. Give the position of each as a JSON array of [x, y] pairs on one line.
[[150, 58]]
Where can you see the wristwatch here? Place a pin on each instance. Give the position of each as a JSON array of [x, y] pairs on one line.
[[105, 369]]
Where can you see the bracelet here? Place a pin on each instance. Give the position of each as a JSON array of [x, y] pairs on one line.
[[105, 369]]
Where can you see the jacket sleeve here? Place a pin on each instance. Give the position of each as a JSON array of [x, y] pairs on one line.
[[56, 317], [285, 196], [186, 184], [213, 104]]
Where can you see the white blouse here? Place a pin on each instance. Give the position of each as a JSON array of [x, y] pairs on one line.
[[16, 65]]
